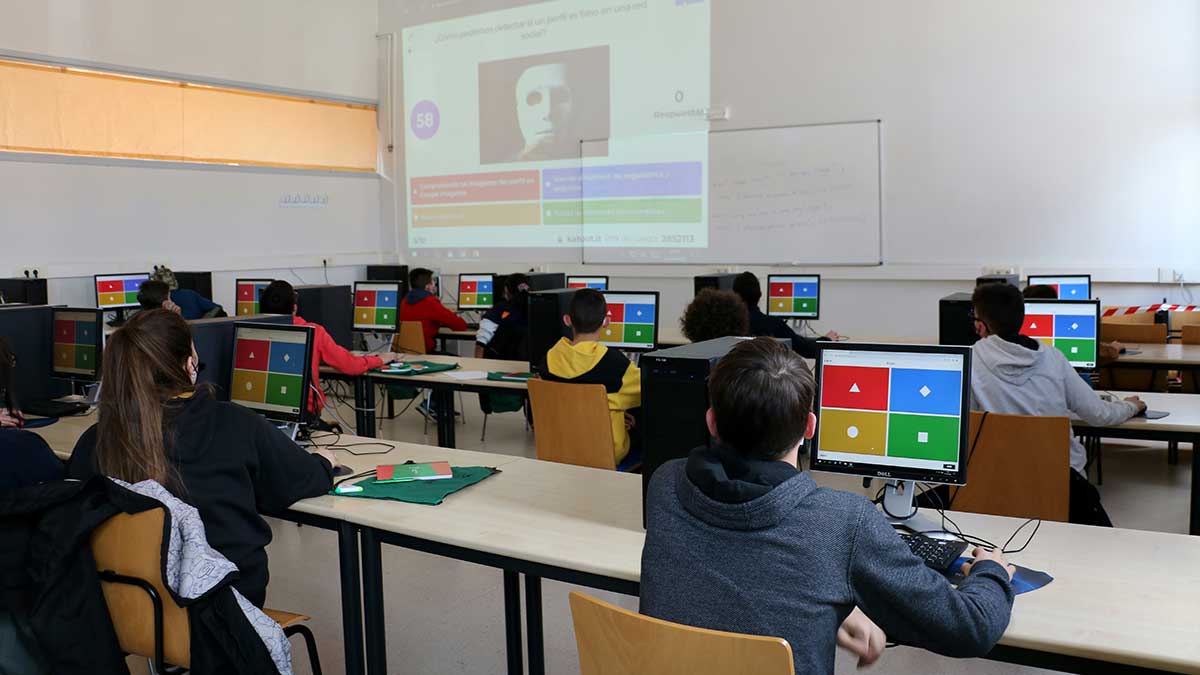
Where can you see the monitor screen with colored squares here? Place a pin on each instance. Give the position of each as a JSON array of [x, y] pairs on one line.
[[1070, 326], [794, 296], [376, 305], [119, 291], [598, 283], [271, 369], [248, 292], [632, 321], [1068, 286], [894, 411], [78, 342], [476, 291]]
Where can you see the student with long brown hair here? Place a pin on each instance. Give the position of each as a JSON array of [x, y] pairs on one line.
[[225, 460]]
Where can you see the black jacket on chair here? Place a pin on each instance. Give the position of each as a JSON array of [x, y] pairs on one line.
[[48, 577]]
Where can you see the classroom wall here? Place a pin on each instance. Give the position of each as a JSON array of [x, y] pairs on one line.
[[62, 211], [1048, 137]]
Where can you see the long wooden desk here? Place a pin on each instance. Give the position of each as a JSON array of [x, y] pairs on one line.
[[1181, 426], [1123, 601], [1172, 356]]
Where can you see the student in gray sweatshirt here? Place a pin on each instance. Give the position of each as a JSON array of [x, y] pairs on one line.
[[1016, 375], [739, 539]]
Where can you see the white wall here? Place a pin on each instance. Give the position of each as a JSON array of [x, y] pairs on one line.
[[1047, 136], [55, 215]]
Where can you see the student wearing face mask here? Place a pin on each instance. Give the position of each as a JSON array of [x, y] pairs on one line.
[[226, 460]]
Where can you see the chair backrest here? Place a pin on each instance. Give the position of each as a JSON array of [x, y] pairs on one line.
[[1183, 319], [571, 423], [1017, 467], [615, 641], [131, 545], [1134, 333], [1191, 334], [1139, 318], [410, 339]]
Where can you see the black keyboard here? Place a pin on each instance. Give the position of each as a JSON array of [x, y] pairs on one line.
[[938, 554], [51, 408]]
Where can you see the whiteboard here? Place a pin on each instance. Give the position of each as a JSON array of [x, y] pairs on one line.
[[792, 195]]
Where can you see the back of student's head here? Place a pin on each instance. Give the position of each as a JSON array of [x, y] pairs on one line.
[[277, 298], [8, 375], [761, 394], [1040, 292], [587, 310], [153, 294], [714, 314], [145, 367], [1000, 307], [165, 275], [516, 289], [747, 287], [419, 278]]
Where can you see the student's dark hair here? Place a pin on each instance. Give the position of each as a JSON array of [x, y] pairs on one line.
[[144, 370], [761, 393], [1040, 292], [714, 314], [419, 278], [277, 298], [1000, 307], [747, 287], [153, 294], [587, 310], [8, 375], [516, 289]]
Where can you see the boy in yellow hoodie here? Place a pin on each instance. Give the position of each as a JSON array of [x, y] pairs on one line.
[[583, 360]]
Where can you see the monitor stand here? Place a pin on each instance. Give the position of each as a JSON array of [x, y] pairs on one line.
[[900, 507], [289, 429]]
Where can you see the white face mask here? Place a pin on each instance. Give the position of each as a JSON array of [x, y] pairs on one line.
[[193, 373]]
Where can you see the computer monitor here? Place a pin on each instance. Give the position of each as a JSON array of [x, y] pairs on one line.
[[272, 369], [376, 305], [632, 321], [1068, 286], [598, 283], [476, 291], [898, 412], [119, 291], [1070, 326], [77, 343], [794, 296], [248, 292]]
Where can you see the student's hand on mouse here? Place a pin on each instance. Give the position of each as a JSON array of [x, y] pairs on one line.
[[833, 335], [389, 357], [10, 419], [861, 637], [629, 421], [1141, 405], [1117, 346], [981, 554], [328, 455]]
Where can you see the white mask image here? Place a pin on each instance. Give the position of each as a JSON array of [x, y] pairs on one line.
[[544, 106]]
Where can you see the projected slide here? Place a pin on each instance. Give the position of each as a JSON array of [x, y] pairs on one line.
[[558, 125]]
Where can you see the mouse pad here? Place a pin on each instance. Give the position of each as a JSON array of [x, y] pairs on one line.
[[1155, 414], [1023, 581]]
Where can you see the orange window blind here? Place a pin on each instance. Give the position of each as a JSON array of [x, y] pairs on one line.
[[69, 111]]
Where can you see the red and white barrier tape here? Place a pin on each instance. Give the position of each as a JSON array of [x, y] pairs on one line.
[[1149, 309]]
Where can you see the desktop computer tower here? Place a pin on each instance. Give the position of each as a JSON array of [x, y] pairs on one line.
[[956, 320], [721, 282], [330, 306], [201, 282], [1010, 279], [674, 400], [546, 310], [24, 290]]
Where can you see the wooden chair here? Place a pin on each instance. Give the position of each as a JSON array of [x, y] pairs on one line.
[[410, 339], [1133, 379], [571, 424], [1190, 336], [148, 623], [615, 641], [1017, 467]]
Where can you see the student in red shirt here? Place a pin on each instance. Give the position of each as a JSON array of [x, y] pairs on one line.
[[422, 305], [280, 298]]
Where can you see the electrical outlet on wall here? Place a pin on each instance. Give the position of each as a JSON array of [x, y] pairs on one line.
[[1002, 269], [34, 272]]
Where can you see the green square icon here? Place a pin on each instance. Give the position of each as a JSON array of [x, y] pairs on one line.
[[385, 317], [85, 357], [804, 305], [483, 299], [1077, 351], [641, 333], [923, 437], [131, 297], [284, 390]]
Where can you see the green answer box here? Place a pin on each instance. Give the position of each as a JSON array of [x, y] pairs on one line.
[[623, 211], [1077, 350], [923, 437], [284, 390], [640, 333]]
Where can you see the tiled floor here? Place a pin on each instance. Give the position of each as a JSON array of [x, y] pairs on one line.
[[446, 617]]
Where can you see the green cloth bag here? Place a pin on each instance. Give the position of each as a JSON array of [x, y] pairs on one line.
[[430, 492], [427, 367]]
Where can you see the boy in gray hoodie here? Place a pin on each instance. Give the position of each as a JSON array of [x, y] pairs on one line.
[[739, 539], [1016, 375]]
